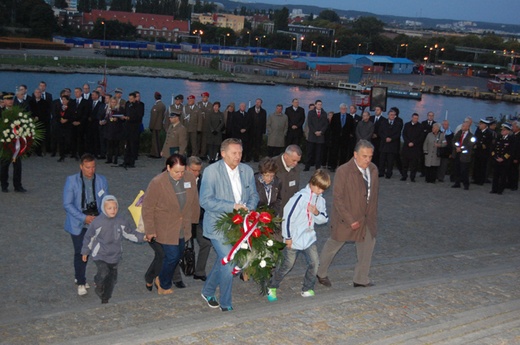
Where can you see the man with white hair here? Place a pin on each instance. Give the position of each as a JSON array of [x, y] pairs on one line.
[[467, 119]]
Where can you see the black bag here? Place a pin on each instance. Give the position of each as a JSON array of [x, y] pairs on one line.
[[187, 262]]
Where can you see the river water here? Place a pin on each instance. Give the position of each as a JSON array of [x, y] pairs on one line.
[[455, 108]]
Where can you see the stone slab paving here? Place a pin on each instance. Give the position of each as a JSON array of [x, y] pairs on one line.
[[445, 267]]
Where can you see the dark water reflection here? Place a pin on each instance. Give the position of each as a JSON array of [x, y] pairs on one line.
[[456, 108]]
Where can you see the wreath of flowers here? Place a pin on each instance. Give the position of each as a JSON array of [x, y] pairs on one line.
[[255, 252], [18, 133]]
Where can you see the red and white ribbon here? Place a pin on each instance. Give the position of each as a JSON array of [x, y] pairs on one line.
[[250, 223]]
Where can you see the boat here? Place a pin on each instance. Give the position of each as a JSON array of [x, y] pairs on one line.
[[349, 86], [397, 93]]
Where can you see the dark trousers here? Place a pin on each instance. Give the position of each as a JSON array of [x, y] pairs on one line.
[[513, 176], [64, 133], [294, 137], [112, 150], [430, 174], [17, 173], [80, 267], [386, 163], [461, 172], [156, 264], [314, 152], [77, 140], [105, 279], [274, 151], [500, 172], [338, 154], [411, 163], [156, 143], [102, 141], [172, 255], [480, 168], [202, 258], [131, 151], [92, 139]]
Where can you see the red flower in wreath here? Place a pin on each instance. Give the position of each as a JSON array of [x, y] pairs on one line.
[[237, 219], [265, 217]]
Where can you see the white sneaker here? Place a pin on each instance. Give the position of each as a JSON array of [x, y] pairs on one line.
[[86, 284], [82, 290], [308, 293]]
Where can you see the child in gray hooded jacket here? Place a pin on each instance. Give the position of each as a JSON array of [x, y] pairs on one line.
[[104, 242]]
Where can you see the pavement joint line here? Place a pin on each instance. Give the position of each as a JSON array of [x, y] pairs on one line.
[[465, 323], [161, 330]]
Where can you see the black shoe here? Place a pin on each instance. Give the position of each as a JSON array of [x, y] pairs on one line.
[[5, 190], [104, 301], [61, 159], [179, 285], [388, 177], [123, 165], [466, 187], [412, 179], [196, 277], [108, 161], [20, 190], [456, 186], [53, 154], [493, 192], [363, 285], [149, 287], [403, 178]]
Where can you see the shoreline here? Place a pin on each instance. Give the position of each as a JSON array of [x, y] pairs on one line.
[[444, 85]]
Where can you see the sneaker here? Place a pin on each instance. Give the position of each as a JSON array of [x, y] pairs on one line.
[[212, 301], [271, 295], [86, 284], [308, 293], [82, 290], [226, 309]]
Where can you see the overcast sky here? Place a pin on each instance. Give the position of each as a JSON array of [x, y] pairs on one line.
[[495, 11]]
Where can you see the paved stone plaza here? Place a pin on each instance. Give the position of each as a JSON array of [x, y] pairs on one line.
[[446, 269]]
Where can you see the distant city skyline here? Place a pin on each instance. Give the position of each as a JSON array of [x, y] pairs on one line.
[[497, 11]]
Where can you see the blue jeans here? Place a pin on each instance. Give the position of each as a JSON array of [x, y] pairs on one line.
[[80, 267], [289, 257], [172, 256], [220, 275]]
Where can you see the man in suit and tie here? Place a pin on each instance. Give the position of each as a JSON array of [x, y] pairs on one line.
[[258, 116], [390, 134], [96, 114], [296, 119], [317, 123], [354, 214], [352, 120], [242, 128], [463, 143], [80, 110], [227, 185], [340, 137], [377, 119]]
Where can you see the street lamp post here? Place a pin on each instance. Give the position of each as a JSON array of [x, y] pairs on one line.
[[333, 47], [226, 35], [358, 46]]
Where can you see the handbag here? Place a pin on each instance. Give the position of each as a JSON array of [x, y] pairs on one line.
[[187, 261]]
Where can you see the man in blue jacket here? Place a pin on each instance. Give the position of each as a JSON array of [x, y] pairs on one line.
[[227, 185], [82, 197]]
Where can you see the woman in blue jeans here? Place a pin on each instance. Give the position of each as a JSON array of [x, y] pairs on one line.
[[170, 206]]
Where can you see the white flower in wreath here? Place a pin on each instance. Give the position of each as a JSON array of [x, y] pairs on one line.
[[11, 136], [262, 263], [6, 120], [243, 245], [17, 122], [8, 140], [2, 141], [269, 243]]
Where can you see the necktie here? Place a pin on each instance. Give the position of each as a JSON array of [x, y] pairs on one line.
[[319, 113], [391, 123], [429, 123], [462, 138], [94, 104], [43, 96], [343, 120]]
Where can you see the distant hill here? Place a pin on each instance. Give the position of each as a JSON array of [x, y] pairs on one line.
[[427, 23]]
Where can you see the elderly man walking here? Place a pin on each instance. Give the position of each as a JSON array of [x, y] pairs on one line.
[[354, 214]]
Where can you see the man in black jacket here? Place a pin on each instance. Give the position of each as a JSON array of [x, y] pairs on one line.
[[318, 123], [390, 134], [296, 119], [131, 130], [377, 119], [259, 117], [80, 109], [412, 147], [340, 137], [242, 128]]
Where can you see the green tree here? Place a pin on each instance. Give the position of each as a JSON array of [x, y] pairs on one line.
[[100, 5], [84, 6], [62, 4], [281, 19], [42, 21], [329, 15], [115, 30], [368, 26], [184, 10], [121, 5]]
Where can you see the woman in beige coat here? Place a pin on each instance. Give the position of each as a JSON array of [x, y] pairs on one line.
[[434, 140], [170, 207]]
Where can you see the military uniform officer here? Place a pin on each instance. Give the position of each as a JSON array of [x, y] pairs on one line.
[[501, 156], [176, 137], [483, 143], [176, 107], [191, 120], [205, 108]]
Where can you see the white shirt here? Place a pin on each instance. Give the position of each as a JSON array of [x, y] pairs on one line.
[[285, 165], [236, 184]]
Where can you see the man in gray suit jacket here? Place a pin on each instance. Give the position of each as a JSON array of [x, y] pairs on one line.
[[227, 185]]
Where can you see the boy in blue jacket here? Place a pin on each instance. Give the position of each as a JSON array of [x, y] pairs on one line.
[[104, 242], [302, 211]]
